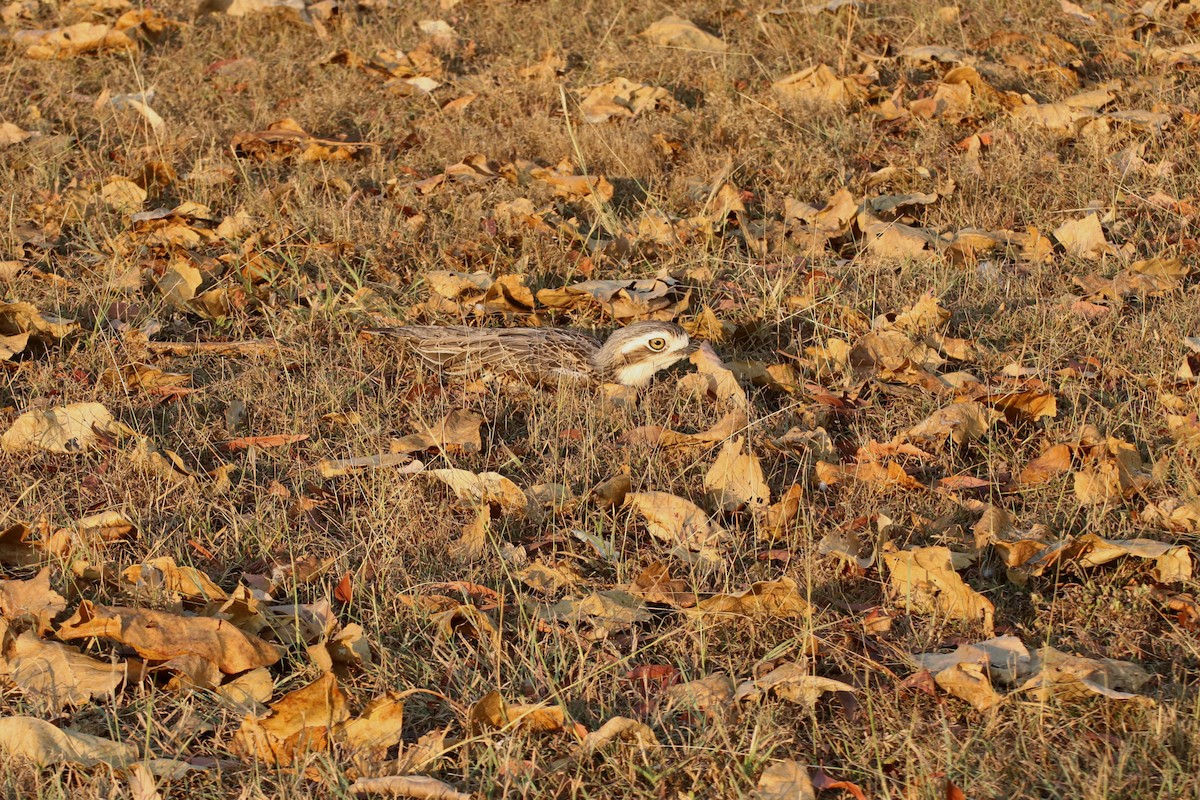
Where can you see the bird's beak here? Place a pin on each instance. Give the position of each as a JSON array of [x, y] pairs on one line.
[[692, 346]]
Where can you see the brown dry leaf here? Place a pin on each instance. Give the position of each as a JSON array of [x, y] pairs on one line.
[[240, 8], [45, 745], [473, 542], [1083, 238], [550, 66], [122, 195], [167, 464], [11, 134], [784, 514], [1151, 278], [1030, 557], [299, 723], [1052, 673], [376, 729], [965, 672], [163, 574], [655, 585], [790, 681], [19, 318], [336, 467], [179, 283], [1114, 472], [785, 780], [923, 580], [820, 84], [265, 441], [59, 675], [656, 435], [31, 601], [618, 730], [485, 487], [712, 694], [611, 491], [736, 479], [673, 31], [679, 522], [895, 240], [603, 613], [870, 472], [779, 598], [421, 787], [620, 98], [12, 345], [649, 298], [895, 351], [15, 548], [1055, 461], [74, 40], [65, 429], [1175, 514], [285, 140], [567, 183], [962, 422], [491, 712], [547, 580], [161, 636], [458, 431], [1028, 405], [714, 378], [143, 377]]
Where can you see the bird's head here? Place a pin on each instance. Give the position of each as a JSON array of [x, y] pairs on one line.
[[633, 354]]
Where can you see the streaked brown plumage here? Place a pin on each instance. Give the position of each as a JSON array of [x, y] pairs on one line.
[[553, 356]]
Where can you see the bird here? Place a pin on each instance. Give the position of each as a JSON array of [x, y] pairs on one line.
[[631, 356]]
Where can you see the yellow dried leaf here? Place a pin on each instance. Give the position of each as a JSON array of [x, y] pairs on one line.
[[673, 31], [923, 580], [620, 98], [65, 429], [299, 723], [736, 479], [962, 422], [47, 745], [1083, 238]]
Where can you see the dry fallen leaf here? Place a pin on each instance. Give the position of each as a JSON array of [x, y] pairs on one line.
[[785, 780], [601, 613], [31, 601], [792, 682], [962, 422], [300, 722], [619, 730], [160, 636], [458, 431], [1083, 238], [45, 745], [620, 98], [57, 674], [679, 522], [66, 429], [779, 598], [736, 479], [422, 787], [673, 31], [924, 580]]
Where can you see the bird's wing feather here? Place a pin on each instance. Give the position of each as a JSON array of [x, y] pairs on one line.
[[549, 354]]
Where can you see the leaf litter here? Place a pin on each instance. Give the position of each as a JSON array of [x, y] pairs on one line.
[[918, 424]]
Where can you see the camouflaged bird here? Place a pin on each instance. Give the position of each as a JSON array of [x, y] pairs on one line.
[[549, 356]]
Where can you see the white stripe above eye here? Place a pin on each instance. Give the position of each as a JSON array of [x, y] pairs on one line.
[[643, 343]]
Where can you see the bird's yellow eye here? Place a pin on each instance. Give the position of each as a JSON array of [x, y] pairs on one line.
[[657, 344]]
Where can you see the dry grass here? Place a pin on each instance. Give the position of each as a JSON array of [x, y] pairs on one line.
[[350, 258]]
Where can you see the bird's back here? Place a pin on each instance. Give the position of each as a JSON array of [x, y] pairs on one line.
[[545, 355]]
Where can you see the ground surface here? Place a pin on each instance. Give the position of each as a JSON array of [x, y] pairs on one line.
[[944, 260]]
